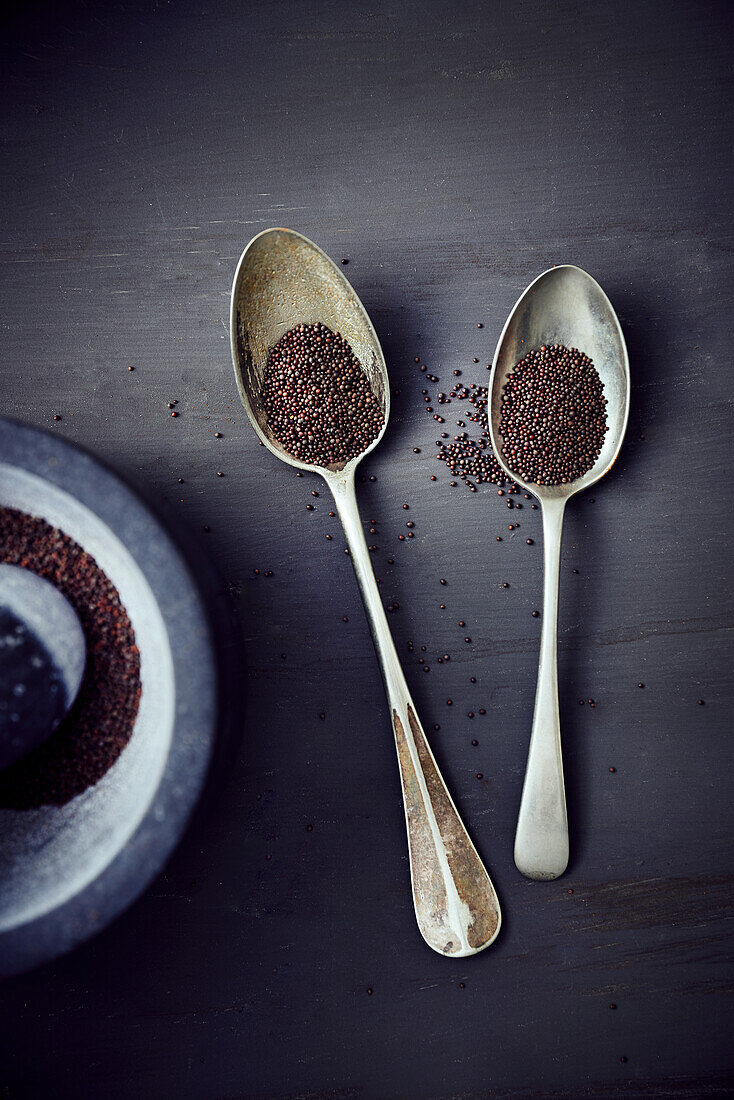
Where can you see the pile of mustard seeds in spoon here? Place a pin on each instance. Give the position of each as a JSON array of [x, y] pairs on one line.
[[553, 416], [317, 399]]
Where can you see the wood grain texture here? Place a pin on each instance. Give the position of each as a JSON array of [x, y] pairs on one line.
[[451, 153]]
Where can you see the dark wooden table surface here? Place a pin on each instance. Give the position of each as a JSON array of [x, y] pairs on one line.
[[451, 153]]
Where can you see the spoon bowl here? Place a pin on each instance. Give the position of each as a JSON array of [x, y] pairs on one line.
[[283, 280], [565, 306]]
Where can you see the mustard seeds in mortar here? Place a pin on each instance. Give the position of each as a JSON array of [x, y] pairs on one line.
[[100, 723]]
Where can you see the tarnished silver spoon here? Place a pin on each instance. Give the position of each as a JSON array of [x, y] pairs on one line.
[[562, 306], [283, 279]]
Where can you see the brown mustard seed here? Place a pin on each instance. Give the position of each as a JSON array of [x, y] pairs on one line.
[[472, 458]]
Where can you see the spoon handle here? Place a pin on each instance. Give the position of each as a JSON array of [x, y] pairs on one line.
[[455, 902], [541, 840]]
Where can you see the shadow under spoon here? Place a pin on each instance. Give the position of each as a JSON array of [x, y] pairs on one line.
[[562, 306], [282, 280]]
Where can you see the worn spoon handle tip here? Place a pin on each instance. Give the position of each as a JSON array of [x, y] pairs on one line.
[[455, 902]]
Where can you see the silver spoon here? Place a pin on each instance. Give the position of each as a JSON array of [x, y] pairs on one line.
[[562, 306], [283, 279]]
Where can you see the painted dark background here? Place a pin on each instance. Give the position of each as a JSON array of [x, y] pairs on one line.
[[451, 153]]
